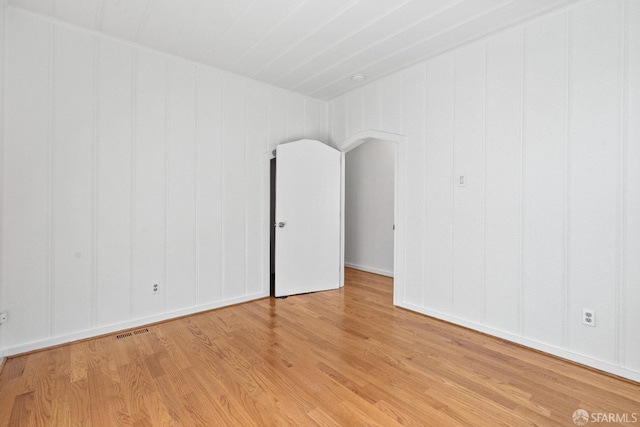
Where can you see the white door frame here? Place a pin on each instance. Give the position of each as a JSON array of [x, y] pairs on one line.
[[398, 201]]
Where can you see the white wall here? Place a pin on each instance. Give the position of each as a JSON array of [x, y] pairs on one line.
[[369, 190], [123, 167], [544, 121]]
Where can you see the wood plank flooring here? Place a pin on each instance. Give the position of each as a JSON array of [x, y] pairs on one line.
[[337, 358]]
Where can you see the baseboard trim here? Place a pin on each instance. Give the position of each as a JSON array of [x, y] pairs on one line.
[[589, 362], [369, 269], [117, 327]]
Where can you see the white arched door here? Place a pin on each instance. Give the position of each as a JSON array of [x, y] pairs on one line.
[[308, 197]]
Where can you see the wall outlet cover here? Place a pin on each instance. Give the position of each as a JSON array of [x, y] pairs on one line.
[[588, 317]]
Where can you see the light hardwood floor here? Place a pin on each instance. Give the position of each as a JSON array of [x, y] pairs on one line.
[[337, 358]]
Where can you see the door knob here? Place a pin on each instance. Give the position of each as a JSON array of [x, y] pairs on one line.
[[280, 224]]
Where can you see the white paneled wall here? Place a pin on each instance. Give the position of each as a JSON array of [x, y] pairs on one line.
[[502, 171], [469, 204], [544, 181], [72, 180], [543, 120], [413, 110], [150, 181], [27, 169], [233, 200], [113, 183], [123, 167], [438, 165], [594, 154]]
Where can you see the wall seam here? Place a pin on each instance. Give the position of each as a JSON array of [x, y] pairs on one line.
[[483, 278], [567, 187], [222, 171], [426, 186], [452, 178], [405, 172], [403, 176], [623, 203], [167, 128], [134, 141], [95, 184], [196, 187], [245, 96], [50, 292], [523, 154]]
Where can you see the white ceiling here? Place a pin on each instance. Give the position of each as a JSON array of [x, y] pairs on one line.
[[308, 46]]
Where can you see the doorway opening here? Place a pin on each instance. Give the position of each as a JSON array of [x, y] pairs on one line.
[[272, 230], [369, 207], [399, 143]]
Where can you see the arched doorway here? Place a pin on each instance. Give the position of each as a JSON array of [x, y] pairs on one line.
[[399, 202], [369, 199]]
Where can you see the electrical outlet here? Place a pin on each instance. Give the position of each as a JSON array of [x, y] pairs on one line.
[[3, 317], [588, 317], [155, 288]]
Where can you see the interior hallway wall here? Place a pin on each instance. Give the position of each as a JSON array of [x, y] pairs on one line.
[[544, 122], [123, 167]]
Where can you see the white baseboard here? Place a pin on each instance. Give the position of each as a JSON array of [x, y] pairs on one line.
[[116, 327], [546, 348], [369, 269]]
